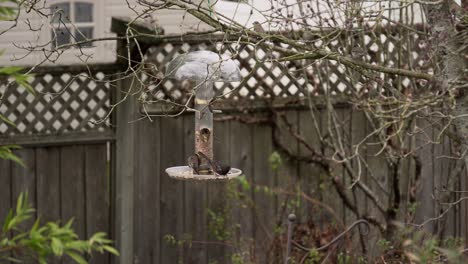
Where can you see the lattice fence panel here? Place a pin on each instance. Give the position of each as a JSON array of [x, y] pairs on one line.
[[64, 102], [273, 79]]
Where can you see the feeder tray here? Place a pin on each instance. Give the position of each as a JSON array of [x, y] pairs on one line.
[[204, 67], [186, 173]]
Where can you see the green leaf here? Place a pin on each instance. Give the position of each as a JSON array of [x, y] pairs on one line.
[[57, 247], [7, 12], [79, 245], [14, 260], [7, 154], [68, 224], [23, 81], [244, 183], [34, 228], [12, 146], [76, 257], [20, 78], [20, 202], [111, 250], [8, 121], [6, 224], [10, 70], [50, 239], [275, 160], [98, 237]]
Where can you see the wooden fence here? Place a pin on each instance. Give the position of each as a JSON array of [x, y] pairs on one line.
[[164, 206], [67, 171], [110, 175], [63, 182]]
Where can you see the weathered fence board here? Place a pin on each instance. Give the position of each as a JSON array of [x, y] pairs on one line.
[[195, 206], [310, 173], [216, 194], [97, 190], [147, 214], [448, 168], [377, 175], [330, 194], [263, 177], [24, 179], [5, 181], [426, 187], [48, 183], [241, 147], [73, 196], [172, 191]]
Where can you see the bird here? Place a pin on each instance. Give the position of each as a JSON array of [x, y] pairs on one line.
[[218, 167], [197, 166], [310, 36], [221, 168], [358, 52], [258, 27], [194, 163]]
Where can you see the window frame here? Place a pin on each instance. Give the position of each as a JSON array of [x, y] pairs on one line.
[[72, 25]]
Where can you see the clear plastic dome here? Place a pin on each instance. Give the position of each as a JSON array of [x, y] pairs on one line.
[[203, 65]]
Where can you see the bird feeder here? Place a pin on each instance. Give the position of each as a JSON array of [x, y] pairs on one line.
[[203, 68]]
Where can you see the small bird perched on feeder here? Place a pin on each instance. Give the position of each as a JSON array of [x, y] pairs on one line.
[[221, 168], [194, 163], [218, 167]]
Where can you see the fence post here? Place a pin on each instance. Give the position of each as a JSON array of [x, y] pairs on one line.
[[125, 112]]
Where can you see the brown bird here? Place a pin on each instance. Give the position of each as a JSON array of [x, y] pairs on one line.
[[310, 36], [258, 27], [194, 163], [218, 167], [358, 52]]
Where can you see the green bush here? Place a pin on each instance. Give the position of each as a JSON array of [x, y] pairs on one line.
[[40, 242]]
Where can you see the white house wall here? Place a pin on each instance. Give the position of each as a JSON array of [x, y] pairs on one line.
[[173, 22], [104, 52]]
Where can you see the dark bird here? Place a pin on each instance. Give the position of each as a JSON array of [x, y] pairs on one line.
[[194, 163], [221, 168], [218, 167]]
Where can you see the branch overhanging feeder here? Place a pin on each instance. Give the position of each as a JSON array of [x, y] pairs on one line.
[[204, 68]]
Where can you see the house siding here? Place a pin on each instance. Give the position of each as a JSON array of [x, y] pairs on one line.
[[173, 22]]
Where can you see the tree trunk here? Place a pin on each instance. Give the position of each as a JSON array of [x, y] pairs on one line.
[[448, 48], [449, 54]]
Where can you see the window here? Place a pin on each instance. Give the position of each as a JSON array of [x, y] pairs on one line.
[[72, 22]]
